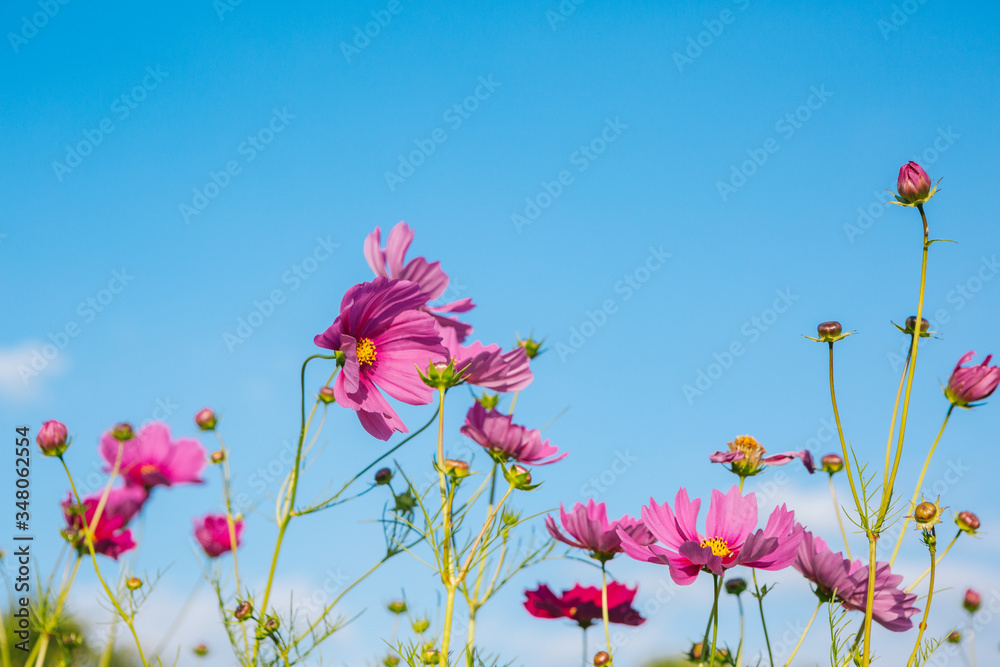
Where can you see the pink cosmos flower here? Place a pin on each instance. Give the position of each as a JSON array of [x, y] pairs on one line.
[[487, 365], [746, 457], [505, 440], [970, 384], [589, 529], [837, 578], [384, 339], [729, 538], [150, 458], [913, 185], [53, 438], [111, 538], [583, 604], [432, 280], [212, 533]]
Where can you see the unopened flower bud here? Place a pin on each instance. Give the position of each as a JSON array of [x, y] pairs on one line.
[[390, 661], [268, 627], [736, 585], [954, 637], [968, 522], [53, 438], [71, 640], [218, 456], [602, 659], [442, 375], [243, 610], [326, 394], [519, 477], [488, 401], [430, 656], [456, 469], [972, 601], [532, 348], [913, 185], [133, 583], [911, 324], [200, 650], [397, 606], [925, 512], [123, 432], [509, 517], [420, 625], [205, 419], [383, 476], [832, 463], [829, 331]]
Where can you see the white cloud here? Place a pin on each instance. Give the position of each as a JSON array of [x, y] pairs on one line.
[[25, 367]]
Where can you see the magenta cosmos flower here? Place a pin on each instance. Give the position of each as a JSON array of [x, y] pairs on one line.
[[583, 604], [150, 458], [487, 365], [729, 538], [212, 533], [110, 536], [390, 262], [53, 438], [746, 457], [839, 579], [970, 384], [590, 530], [384, 339], [505, 440], [913, 185]]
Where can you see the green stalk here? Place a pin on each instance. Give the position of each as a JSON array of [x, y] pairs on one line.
[[804, 633], [927, 608]]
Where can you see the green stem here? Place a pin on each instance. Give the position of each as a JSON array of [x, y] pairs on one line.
[[920, 483], [447, 568], [715, 616], [804, 633], [760, 604], [840, 519], [739, 650], [231, 523], [927, 608], [895, 412], [604, 607], [939, 559], [843, 442]]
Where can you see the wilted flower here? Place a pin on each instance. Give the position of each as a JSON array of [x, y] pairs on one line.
[[505, 440], [972, 601], [382, 335], [150, 458], [212, 533], [729, 539], [968, 385], [590, 530], [913, 185], [746, 457], [110, 536], [52, 438], [583, 604], [205, 419]]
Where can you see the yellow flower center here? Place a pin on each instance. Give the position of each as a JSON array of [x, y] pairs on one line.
[[148, 469], [719, 546], [752, 451], [366, 351]]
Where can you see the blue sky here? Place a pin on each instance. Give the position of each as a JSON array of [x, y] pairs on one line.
[[169, 171]]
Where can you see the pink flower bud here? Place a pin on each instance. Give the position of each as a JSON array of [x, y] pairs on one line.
[[205, 419], [972, 601], [52, 438], [913, 184], [970, 384]]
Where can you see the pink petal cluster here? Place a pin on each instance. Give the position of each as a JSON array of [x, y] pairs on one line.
[[746, 457], [110, 535], [589, 529], [151, 458], [970, 384], [729, 539], [52, 438], [488, 365], [913, 184], [584, 605], [497, 433], [840, 579], [212, 533], [390, 262], [384, 339]]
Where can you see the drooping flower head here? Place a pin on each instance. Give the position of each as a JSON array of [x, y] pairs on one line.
[[746, 457], [970, 384], [111, 537], [913, 185], [841, 580], [488, 366], [590, 530], [151, 458], [505, 440], [383, 339], [212, 533], [390, 262], [583, 604], [729, 539]]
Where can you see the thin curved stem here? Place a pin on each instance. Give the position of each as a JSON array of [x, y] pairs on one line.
[[843, 442], [231, 524], [895, 414], [840, 519], [927, 608], [760, 604], [939, 559], [715, 617], [604, 607], [804, 633]]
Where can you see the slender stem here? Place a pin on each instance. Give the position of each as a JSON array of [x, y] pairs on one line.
[[870, 601], [604, 607], [231, 523], [895, 412], [840, 519], [583, 631], [804, 633], [760, 604], [927, 608], [739, 651], [920, 483], [972, 645], [843, 442], [715, 616], [939, 559], [513, 402], [43, 648], [342, 593], [482, 533], [180, 617], [447, 568]]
